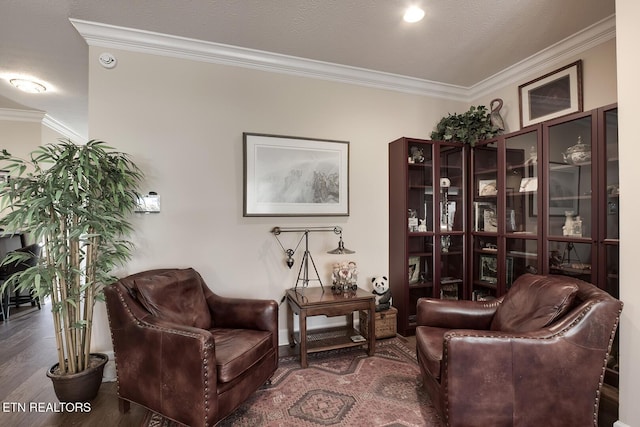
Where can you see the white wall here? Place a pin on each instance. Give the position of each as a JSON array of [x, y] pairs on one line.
[[628, 35], [21, 132], [20, 137], [182, 121]]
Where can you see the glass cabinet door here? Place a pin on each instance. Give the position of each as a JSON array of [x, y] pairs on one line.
[[612, 175], [420, 223], [609, 225], [521, 184], [451, 209], [485, 222], [522, 218], [569, 191]]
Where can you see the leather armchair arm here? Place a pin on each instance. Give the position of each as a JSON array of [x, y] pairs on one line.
[[243, 313], [154, 357], [455, 314]]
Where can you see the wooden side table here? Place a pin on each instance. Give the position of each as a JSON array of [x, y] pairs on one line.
[[315, 302]]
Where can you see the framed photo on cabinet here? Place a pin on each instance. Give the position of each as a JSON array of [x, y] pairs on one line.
[[414, 269], [487, 187], [485, 217], [489, 268], [555, 94]]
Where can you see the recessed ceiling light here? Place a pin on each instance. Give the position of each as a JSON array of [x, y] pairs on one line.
[[28, 86], [413, 14]]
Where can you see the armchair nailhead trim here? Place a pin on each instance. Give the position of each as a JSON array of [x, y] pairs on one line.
[[207, 348]]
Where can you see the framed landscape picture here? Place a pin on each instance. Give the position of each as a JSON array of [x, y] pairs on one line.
[[293, 176]]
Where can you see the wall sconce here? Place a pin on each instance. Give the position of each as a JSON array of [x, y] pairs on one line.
[[303, 273]]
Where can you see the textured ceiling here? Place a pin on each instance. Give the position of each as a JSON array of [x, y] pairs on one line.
[[459, 42]]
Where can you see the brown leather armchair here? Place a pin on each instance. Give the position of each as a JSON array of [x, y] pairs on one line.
[[534, 357], [185, 352]]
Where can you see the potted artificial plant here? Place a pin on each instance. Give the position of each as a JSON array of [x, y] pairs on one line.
[[75, 200], [470, 127]]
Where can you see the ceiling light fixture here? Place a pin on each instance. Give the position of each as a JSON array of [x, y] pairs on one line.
[[413, 14], [28, 86]]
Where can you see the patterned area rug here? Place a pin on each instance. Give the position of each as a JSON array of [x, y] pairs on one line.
[[339, 388]]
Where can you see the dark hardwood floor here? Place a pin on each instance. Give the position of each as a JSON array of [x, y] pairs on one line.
[[27, 349]]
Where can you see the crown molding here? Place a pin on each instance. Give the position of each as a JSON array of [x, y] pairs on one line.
[[110, 36], [130, 39], [62, 129], [548, 58], [11, 114], [35, 116]]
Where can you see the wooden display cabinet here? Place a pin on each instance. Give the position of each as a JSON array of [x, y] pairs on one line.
[[427, 237], [454, 234]]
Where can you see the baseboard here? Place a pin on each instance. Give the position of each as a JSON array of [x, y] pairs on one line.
[[620, 424], [109, 373]]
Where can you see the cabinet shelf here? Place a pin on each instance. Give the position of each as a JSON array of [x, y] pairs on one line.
[[566, 166], [420, 254], [423, 165], [570, 271], [421, 285], [486, 251], [569, 239], [420, 233], [485, 233], [521, 235], [452, 253], [514, 193], [485, 284], [517, 254], [570, 198]]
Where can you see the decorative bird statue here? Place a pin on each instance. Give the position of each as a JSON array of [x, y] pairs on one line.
[[495, 117]]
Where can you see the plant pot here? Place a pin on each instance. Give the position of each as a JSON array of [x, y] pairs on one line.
[[80, 387]]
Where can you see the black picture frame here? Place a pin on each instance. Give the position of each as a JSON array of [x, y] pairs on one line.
[[295, 176]]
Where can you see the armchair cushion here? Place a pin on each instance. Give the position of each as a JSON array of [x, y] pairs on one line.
[[237, 350], [175, 296], [431, 343], [534, 303]]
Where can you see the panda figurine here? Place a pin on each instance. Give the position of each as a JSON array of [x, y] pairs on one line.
[[382, 292]]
